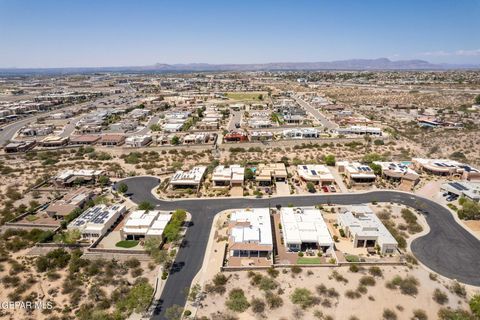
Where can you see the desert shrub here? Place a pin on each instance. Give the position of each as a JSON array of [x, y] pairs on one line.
[[237, 301], [321, 289], [375, 271], [303, 297], [367, 281], [273, 301], [407, 286], [440, 297], [296, 269], [458, 289], [352, 294], [258, 305], [338, 277], [272, 272], [55, 259], [267, 284], [389, 314], [332, 293], [220, 279], [458, 314], [137, 272], [362, 289], [419, 314], [475, 305], [132, 263], [326, 303], [411, 259], [174, 312], [353, 268]]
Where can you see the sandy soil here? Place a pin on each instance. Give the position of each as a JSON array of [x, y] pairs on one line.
[[369, 306]]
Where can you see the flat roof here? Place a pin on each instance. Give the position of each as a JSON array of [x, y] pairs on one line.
[[361, 220], [251, 226], [193, 176], [304, 225], [314, 172]]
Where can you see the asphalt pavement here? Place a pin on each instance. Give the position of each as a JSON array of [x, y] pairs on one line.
[[317, 114], [447, 249]]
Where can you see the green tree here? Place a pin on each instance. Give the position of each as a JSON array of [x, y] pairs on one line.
[[103, 180], [175, 140], [174, 312], [329, 160], [155, 127], [477, 99], [145, 205], [303, 297], [310, 187], [237, 301], [249, 175], [137, 299], [475, 304], [470, 210], [377, 169], [122, 188]]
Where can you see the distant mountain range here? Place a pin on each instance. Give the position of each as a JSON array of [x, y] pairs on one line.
[[353, 64]]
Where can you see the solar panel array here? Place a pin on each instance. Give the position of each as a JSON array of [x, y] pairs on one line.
[[364, 169], [458, 186]]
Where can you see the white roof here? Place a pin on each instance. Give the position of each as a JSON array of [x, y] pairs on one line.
[[84, 172], [358, 170], [364, 223], [360, 129], [159, 225], [259, 229], [234, 172], [395, 166], [193, 176], [444, 164], [141, 222], [304, 225], [97, 217], [172, 126], [314, 172], [138, 138]]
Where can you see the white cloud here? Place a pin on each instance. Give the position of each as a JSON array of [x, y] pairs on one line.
[[458, 53]]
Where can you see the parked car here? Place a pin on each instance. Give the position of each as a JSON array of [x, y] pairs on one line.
[[333, 189]]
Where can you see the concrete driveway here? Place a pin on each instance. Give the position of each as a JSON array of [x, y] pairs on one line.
[[447, 249]]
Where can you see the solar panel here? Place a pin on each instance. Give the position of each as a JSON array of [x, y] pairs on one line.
[[314, 173]]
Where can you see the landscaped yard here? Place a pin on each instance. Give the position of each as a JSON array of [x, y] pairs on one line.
[[308, 261], [127, 243], [31, 218]]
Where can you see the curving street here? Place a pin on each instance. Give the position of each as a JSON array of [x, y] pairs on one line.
[[447, 249]]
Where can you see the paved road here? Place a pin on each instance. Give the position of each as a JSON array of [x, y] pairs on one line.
[[235, 118], [317, 114], [447, 249]]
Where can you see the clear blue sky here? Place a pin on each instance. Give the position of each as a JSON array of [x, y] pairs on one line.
[[75, 33]]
